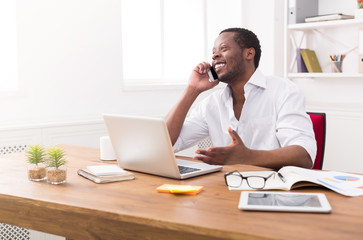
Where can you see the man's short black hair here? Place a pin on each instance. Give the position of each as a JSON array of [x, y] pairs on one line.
[[246, 39]]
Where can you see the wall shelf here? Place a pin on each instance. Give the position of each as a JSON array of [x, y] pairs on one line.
[[325, 24], [325, 75]]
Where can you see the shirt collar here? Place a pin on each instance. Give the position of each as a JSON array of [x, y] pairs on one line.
[[257, 79]]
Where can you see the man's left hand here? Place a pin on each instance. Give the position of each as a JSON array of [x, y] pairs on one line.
[[234, 153]]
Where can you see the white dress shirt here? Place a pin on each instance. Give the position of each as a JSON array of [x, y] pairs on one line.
[[273, 116]]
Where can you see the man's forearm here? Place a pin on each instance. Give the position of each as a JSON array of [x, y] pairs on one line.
[[237, 153], [286, 156], [178, 113]]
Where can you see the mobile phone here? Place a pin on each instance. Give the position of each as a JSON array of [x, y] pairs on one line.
[[212, 75]]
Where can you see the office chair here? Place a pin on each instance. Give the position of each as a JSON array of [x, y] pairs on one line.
[[319, 127]]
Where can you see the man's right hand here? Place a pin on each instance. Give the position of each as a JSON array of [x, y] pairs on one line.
[[198, 82], [199, 79]]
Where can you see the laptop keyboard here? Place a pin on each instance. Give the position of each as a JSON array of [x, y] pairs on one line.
[[183, 169]]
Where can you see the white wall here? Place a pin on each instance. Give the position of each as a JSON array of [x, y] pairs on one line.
[[69, 65], [265, 19]]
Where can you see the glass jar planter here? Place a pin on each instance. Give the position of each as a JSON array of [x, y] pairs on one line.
[[57, 175], [37, 172]]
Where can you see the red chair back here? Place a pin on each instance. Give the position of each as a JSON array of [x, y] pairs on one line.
[[319, 126]]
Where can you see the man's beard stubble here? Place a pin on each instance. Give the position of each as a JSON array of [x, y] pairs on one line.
[[231, 76]]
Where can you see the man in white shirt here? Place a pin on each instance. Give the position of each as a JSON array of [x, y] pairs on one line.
[[255, 120]]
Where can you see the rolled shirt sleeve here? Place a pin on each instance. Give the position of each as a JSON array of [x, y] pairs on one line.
[[294, 126]]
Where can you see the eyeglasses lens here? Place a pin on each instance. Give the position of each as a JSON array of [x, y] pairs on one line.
[[234, 179], [256, 182]]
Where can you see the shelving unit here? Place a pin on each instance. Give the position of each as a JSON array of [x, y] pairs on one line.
[[325, 75], [339, 95], [325, 38], [326, 24]]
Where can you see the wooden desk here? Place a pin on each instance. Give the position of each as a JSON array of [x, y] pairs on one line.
[[81, 209]]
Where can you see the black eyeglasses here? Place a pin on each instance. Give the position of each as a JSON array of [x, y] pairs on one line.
[[235, 178]]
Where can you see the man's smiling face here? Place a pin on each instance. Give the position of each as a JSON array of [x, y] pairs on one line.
[[227, 57]]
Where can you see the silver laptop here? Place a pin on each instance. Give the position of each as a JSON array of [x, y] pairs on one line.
[[142, 144]]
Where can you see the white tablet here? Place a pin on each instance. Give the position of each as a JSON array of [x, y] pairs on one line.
[[284, 202]]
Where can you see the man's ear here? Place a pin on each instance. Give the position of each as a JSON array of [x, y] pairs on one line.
[[249, 53]]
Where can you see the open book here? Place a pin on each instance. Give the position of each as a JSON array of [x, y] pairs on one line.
[[294, 177]]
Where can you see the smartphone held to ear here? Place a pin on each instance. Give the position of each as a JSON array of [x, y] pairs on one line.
[[212, 75]]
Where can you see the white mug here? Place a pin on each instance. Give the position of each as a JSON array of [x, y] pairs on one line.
[[106, 150]]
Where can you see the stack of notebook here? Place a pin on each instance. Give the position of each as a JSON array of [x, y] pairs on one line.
[[105, 173]]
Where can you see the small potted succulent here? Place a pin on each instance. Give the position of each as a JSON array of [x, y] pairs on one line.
[[36, 169], [56, 169]]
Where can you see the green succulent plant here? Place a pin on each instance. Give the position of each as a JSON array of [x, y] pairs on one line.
[[35, 154], [55, 157]]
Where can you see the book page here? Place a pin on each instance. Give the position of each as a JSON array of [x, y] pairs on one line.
[[106, 170], [295, 177], [344, 183]]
